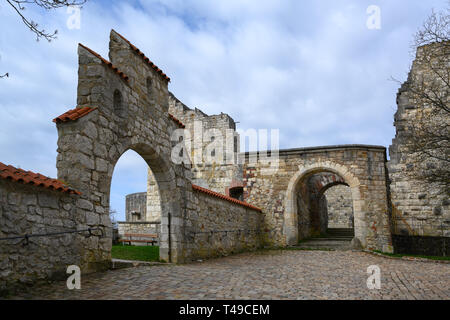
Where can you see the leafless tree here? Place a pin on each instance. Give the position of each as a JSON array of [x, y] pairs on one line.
[[429, 89], [19, 6]]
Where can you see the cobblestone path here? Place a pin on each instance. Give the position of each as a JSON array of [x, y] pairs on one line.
[[264, 275]]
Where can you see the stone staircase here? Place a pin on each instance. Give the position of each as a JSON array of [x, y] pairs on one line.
[[335, 239], [341, 233]]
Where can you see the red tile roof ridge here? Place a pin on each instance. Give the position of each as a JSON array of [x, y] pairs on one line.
[[9, 172], [108, 63], [147, 60], [224, 197], [178, 122], [73, 114]]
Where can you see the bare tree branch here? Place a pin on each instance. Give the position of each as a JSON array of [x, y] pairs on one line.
[[20, 5], [434, 29]]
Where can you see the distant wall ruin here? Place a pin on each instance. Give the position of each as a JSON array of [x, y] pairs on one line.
[[421, 207]]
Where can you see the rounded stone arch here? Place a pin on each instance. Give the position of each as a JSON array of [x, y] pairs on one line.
[[332, 184], [291, 214], [321, 194], [169, 195]]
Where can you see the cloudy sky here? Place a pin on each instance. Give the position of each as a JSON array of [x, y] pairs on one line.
[[312, 69]]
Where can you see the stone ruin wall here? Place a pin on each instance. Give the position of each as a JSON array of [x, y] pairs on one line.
[[217, 175], [220, 228], [153, 201], [139, 228], [419, 208], [28, 209], [339, 206]]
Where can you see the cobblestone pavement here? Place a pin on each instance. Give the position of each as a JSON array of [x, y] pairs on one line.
[[264, 275]]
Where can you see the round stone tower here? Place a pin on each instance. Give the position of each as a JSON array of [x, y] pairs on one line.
[[136, 207]]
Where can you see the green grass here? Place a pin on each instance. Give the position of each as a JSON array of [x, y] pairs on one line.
[[139, 253], [399, 255]]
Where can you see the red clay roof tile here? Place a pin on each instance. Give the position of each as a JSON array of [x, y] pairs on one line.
[[224, 197], [147, 60], [178, 122], [108, 63], [28, 177], [73, 114]]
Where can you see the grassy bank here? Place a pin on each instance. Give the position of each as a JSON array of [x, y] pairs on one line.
[[139, 253], [398, 255]]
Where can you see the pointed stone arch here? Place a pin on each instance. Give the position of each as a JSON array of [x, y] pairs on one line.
[[169, 195], [90, 145]]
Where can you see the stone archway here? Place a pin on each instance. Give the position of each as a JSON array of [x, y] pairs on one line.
[[291, 213], [164, 177], [339, 206], [114, 114], [312, 206]]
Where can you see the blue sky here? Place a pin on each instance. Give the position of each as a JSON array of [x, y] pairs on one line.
[[311, 69]]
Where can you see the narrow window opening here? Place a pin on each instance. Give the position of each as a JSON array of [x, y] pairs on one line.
[[149, 88], [119, 108]]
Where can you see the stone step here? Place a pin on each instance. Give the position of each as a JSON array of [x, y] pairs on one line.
[[332, 239], [121, 263], [340, 232], [333, 245], [324, 243], [341, 240], [340, 237]]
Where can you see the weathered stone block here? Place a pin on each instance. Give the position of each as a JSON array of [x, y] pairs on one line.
[[48, 200], [85, 204]]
